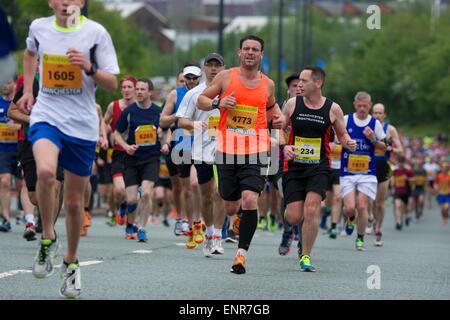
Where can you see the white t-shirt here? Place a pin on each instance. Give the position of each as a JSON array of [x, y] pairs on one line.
[[431, 169], [204, 148], [67, 95], [379, 132]]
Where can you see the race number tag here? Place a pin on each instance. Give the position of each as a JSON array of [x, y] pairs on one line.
[[400, 181], [60, 77], [7, 135], [358, 164], [145, 136], [242, 119], [309, 149], [336, 154], [213, 127]]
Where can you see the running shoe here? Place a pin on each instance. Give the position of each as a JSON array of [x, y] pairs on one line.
[[262, 225], [131, 232], [30, 233], [71, 281], [199, 235], [378, 242], [166, 223], [349, 227], [225, 227], [305, 264], [5, 226], [359, 245], [186, 227], [87, 219], [231, 237], [112, 222], [323, 222], [208, 247], [239, 265], [43, 262], [407, 221], [272, 225], [332, 233], [398, 226], [190, 243], [236, 223], [178, 229], [217, 247], [285, 246], [142, 235]]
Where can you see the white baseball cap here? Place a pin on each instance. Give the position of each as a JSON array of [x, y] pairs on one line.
[[196, 71]]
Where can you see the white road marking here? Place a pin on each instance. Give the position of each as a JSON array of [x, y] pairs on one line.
[[180, 244], [142, 251], [16, 272]]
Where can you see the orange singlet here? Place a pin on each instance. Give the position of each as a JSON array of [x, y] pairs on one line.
[[243, 130]]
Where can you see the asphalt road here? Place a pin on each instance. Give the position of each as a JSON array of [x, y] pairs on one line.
[[413, 264]]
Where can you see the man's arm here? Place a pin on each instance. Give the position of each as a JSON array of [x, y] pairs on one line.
[[109, 114], [339, 128], [273, 109], [14, 113], [103, 136], [29, 72], [397, 146], [204, 101], [168, 117]]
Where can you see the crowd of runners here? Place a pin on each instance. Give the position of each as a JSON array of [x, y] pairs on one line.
[[217, 160]]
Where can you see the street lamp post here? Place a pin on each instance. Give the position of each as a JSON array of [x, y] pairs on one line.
[[221, 16], [280, 49]]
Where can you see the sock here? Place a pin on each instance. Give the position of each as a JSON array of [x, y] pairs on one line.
[[262, 218], [209, 231], [327, 211], [29, 218], [242, 252], [333, 225], [247, 228], [86, 209], [352, 219], [360, 236]]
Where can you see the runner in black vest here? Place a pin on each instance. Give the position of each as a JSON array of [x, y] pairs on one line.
[[307, 155]]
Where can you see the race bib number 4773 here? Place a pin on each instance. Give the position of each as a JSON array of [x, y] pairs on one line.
[[59, 76], [242, 119]]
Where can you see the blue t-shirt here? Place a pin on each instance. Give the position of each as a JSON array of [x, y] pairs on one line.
[[8, 137], [140, 126]]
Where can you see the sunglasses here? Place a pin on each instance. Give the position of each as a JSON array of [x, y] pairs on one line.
[[193, 78]]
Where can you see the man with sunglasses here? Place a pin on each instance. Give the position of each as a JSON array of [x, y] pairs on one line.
[[191, 73]]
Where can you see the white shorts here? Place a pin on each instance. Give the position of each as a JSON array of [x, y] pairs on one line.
[[366, 184]]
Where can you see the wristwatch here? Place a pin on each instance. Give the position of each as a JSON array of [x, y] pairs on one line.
[[93, 69], [216, 103]]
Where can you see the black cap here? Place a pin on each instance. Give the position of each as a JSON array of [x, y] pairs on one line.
[[292, 77], [214, 56]]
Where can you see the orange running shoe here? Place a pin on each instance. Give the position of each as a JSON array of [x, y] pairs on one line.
[[239, 266], [120, 220], [87, 219], [83, 231]]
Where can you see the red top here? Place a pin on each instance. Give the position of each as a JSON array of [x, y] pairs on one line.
[[116, 115], [401, 183]]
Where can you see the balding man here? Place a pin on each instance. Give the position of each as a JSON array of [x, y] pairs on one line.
[[383, 169], [358, 179]]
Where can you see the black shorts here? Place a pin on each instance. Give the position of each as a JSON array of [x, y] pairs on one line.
[[383, 170], [418, 192], [163, 182], [335, 177], [104, 174], [431, 184], [296, 187], [182, 169], [137, 170], [235, 178], [28, 166], [117, 166], [403, 197]]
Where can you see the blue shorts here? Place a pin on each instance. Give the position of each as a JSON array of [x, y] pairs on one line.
[[443, 198], [75, 155], [8, 164]]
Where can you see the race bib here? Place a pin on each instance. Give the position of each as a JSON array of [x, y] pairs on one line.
[[163, 170], [145, 135], [7, 135], [60, 77], [242, 119], [420, 180], [444, 188], [309, 149], [358, 164], [336, 154], [213, 125], [400, 181]]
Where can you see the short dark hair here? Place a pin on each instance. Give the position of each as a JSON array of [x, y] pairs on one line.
[[317, 73], [148, 82], [252, 37]]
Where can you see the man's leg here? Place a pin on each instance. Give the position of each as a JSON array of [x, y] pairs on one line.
[[145, 203], [310, 221], [74, 190], [5, 194], [379, 209]]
